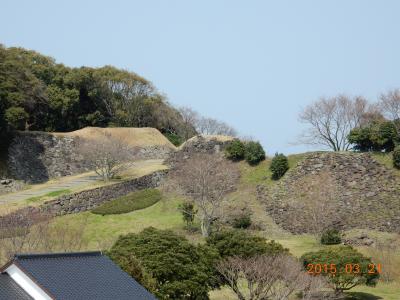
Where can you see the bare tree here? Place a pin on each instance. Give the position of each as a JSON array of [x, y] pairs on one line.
[[385, 253], [107, 156], [320, 195], [390, 105], [331, 120], [30, 230], [210, 126], [190, 119], [268, 277], [207, 179]]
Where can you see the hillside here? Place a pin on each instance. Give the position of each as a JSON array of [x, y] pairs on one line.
[[134, 137], [359, 190], [39, 156], [346, 190], [40, 94]]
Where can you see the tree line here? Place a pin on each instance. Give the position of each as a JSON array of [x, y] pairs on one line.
[[341, 123], [39, 94]]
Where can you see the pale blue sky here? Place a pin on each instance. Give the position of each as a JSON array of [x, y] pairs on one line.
[[253, 64]]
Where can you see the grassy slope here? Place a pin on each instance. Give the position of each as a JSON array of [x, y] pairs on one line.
[[101, 231]]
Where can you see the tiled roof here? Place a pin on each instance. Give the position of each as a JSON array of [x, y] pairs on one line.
[[85, 275], [10, 290]]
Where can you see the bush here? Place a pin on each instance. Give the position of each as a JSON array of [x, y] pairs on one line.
[[242, 220], [133, 201], [279, 166], [180, 269], [375, 136], [396, 157], [240, 243], [131, 265], [174, 138], [331, 237], [188, 213], [343, 266], [235, 150], [254, 153]]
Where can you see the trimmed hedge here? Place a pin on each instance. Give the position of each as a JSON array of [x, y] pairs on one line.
[[133, 201]]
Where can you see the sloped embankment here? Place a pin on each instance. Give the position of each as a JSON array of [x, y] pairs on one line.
[[39, 156], [346, 190]]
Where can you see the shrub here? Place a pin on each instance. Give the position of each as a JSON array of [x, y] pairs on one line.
[[254, 153], [375, 136], [279, 166], [345, 267], [235, 150], [174, 138], [331, 237], [188, 213], [133, 201], [242, 220], [130, 264], [180, 269], [240, 243], [396, 157]]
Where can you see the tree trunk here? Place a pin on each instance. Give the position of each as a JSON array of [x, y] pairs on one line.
[[205, 226]]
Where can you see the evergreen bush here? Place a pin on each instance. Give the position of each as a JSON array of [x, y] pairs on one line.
[[279, 166], [254, 153]]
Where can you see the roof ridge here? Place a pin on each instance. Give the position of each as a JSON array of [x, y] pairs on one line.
[[57, 255]]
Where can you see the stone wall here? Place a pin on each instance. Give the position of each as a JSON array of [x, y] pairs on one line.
[[80, 201], [199, 144], [10, 185], [87, 200], [359, 193], [38, 156]]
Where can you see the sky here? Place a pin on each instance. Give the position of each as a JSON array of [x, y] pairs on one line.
[[253, 64]]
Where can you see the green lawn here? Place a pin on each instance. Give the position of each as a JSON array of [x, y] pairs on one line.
[[104, 230], [260, 174]]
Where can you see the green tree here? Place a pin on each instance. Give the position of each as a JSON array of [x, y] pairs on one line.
[[235, 150], [378, 135], [346, 267], [240, 243], [188, 213], [279, 166], [254, 153], [396, 157], [58, 98], [180, 269], [331, 237], [16, 117], [131, 265]]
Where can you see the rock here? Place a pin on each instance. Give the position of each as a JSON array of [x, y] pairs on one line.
[[367, 242], [370, 194]]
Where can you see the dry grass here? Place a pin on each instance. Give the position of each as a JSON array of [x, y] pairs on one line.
[[135, 137]]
